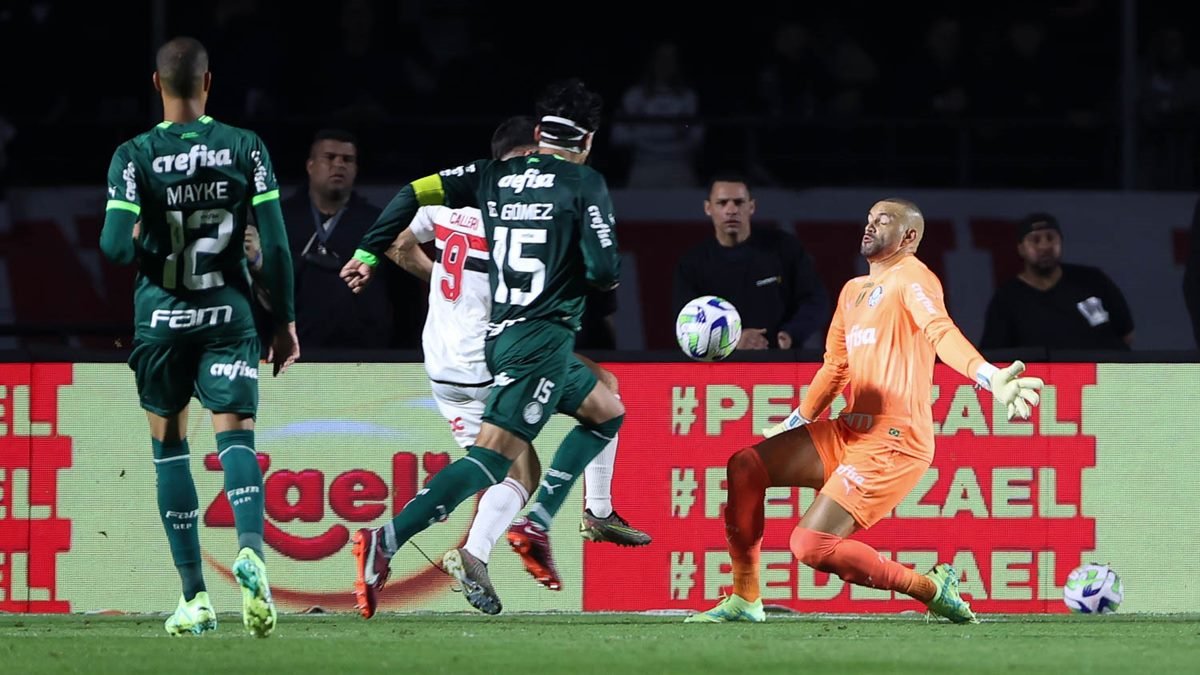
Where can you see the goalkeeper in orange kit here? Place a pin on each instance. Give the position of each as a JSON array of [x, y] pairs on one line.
[[886, 331]]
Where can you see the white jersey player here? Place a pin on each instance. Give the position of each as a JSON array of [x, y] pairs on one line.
[[453, 342]]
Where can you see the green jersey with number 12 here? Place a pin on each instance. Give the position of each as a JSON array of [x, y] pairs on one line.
[[193, 186]]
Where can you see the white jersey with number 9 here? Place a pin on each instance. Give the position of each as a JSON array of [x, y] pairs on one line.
[[459, 295]]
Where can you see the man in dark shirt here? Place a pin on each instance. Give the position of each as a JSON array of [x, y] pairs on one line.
[[766, 274], [1052, 305], [325, 222]]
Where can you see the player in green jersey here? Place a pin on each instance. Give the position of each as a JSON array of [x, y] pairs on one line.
[[189, 185], [549, 226]]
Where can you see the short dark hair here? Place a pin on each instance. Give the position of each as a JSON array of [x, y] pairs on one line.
[[730, 178], [330, 134], [571, 100], [513, 133], [181, 64], [1037, 221]]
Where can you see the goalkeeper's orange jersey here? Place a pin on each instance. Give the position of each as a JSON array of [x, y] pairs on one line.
[[883, 338]]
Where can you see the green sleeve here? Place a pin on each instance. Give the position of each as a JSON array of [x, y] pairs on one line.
[[598, 233], [122, 209], [277, 259], [453, 187], [272, 233]]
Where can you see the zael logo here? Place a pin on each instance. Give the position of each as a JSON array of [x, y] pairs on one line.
[[310, 514]]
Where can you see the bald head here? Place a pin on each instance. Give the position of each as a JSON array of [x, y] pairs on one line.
[[894, 226], [911, 216], [181, 65]]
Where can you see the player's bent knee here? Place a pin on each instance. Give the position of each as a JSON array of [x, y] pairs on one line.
[[609, 428], [743, 464], [813, 548], [608, 380], [526, 470]]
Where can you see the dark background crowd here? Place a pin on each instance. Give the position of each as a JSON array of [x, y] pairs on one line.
[[1024, 94]]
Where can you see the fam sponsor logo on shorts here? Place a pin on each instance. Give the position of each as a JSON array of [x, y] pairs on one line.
[[850, 477], [234, 370]]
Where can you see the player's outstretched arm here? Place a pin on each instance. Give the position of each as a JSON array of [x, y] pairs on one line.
[[927, 308], [452, 187], [410, 257]]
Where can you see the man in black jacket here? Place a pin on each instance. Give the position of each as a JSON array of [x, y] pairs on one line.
[[325, 223], [1054, 305], [766, 274]]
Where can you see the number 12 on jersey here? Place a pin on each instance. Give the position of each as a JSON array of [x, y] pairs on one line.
[[185, 242], [508, 253]]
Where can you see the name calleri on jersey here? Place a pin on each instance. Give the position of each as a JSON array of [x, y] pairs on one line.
[[459, 294]]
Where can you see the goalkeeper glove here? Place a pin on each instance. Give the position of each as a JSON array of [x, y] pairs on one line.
[[1018, 394], [793, 421]]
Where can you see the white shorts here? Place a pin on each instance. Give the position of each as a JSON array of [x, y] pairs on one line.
[[463, 409]]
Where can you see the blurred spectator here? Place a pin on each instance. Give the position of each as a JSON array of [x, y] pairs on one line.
[[793, 81], [325, 223], [852, 69], [938, 76], [248, 43], [659, 124], [766, 274], [1052, 305], [1191, 276], [353, 90], [1020, 79], [1168, 105]]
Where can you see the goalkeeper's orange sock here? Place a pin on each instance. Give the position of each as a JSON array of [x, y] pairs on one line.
[[748, 481], [858, 563]]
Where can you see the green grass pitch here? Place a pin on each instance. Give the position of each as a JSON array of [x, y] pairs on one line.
[[613, 644]]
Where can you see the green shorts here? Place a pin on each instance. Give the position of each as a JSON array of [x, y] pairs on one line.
[[536, 375], [223, 375]]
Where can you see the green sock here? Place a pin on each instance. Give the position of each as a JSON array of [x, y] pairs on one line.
[[243, 486], [179, 508], [577, 450], [449, 488]]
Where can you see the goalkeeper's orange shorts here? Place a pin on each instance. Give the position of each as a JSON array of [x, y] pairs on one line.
[[867, 473]]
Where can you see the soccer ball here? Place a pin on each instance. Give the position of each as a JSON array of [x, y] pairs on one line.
[[1093, 589], [708, 328]]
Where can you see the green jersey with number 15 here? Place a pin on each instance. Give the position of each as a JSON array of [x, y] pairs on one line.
[[193, 186], [550, 232]]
